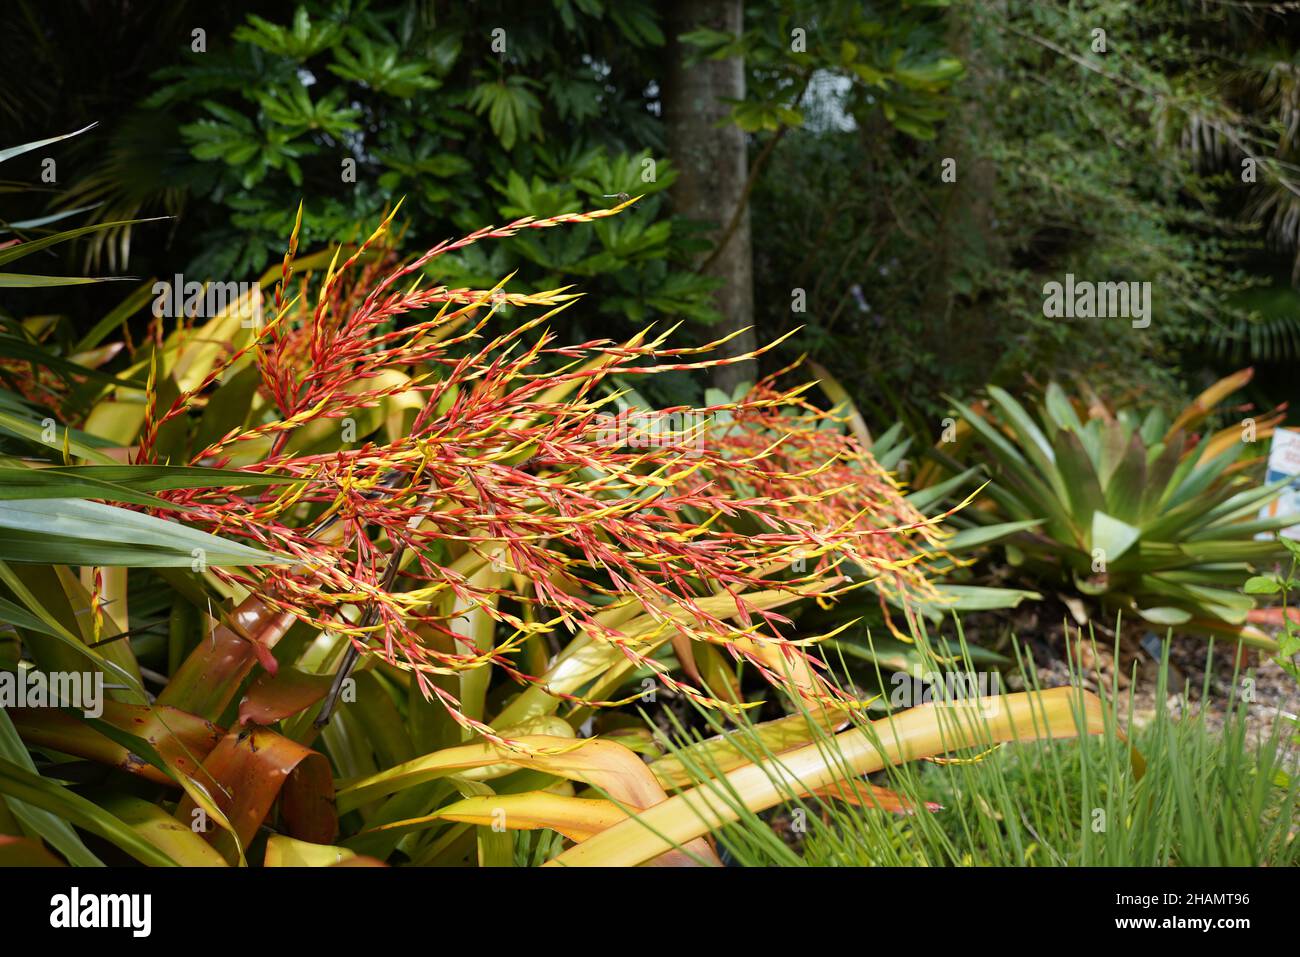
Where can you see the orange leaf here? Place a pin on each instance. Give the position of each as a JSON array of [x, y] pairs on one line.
[[252, 769]]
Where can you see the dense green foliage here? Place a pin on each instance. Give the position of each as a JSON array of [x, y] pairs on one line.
[[1115, 164], [473, 117]]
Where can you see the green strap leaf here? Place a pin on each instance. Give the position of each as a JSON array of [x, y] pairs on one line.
[[11, 152], [18, 782], [67, 531], [49, 826]]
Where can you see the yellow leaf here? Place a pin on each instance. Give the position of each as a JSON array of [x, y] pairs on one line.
[[917, 733], [284, 851], [726, 752], [575, 818], [604, 765]]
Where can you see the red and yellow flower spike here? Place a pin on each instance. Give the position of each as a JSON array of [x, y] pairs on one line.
[[519, 460]]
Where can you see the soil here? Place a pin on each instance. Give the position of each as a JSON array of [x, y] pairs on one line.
[[1200, 677]]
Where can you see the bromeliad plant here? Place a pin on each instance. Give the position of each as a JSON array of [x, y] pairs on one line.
[[1145, 514], [465, 564], [495, 466]]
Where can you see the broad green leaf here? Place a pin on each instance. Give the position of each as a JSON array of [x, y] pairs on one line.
[[969, 538], [1112, 536], [1080, 478], [1127, 482], [1060, 410], [65, 531], [1032, 484], [1165, 615], [980, 597], [12, 614], [1161, 466], [79, 444], [32, 484], [1262, 585], [66, 638], [923, 498], [1030, 437]]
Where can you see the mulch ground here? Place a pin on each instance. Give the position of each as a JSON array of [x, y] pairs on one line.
[[1200, 679]]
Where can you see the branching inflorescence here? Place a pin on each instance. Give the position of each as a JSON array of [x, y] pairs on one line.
[[515, 487]]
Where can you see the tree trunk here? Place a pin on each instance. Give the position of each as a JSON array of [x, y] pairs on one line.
[[712, 167], [966, 330]]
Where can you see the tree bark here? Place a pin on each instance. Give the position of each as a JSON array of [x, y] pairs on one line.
[[965, 330], [712, 167]]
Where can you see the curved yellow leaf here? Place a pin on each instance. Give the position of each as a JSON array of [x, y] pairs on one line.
[[917, 733], [726, 752], [576, 818], [604, 765], [284, 851], [171, 836]]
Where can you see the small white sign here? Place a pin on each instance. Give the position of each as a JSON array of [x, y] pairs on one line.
[[1284, 462]]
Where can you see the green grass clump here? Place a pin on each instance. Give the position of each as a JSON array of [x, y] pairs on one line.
[[1207, 796]]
